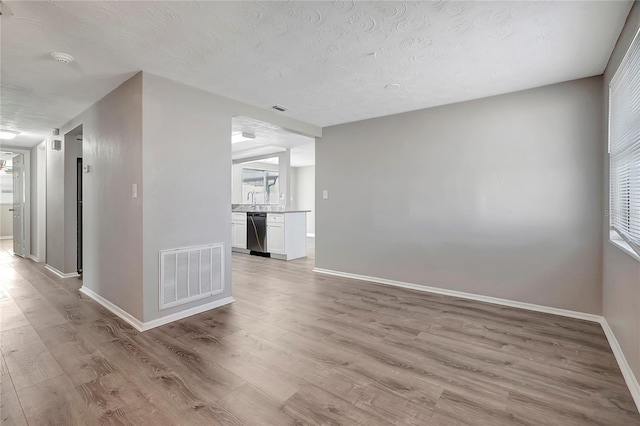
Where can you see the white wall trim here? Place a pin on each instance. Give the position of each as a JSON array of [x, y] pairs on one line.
[[60, 273], [627, 373], [116, 310], [34, 258], [7, 237], [464, 295], [186, 313], [311, 235], [144, 326]]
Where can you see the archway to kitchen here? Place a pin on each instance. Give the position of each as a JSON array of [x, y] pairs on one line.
[[273, 192]]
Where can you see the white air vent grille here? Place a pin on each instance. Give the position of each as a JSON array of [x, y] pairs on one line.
[[191, 273]]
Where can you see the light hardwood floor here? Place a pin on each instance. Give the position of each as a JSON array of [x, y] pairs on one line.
[[299, 348]]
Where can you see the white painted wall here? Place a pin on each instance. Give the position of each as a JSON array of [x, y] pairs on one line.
[[493, 197], [304, 191], [621, 272]]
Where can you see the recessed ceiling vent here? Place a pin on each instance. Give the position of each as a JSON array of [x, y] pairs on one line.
[[63, 58], [280, 108]]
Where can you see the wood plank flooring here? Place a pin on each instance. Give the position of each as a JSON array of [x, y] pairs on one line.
[[299, 348]]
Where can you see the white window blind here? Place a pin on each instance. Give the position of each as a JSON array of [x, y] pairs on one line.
[[624, 147]]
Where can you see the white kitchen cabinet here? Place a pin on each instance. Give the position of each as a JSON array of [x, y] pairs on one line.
[[239, 230], [275, 238], [287, 235]]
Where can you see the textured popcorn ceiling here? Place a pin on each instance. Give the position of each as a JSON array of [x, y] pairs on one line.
[[329, 62]]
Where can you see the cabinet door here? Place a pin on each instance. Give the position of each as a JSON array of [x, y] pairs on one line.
[[275, 238], [239, 235]]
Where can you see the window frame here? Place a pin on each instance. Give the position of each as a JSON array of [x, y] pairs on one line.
[[616, 237]]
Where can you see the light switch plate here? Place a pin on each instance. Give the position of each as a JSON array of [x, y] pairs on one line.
[[325, 194], [134, 190]]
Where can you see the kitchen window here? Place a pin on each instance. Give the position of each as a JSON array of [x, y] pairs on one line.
[[624, 152]]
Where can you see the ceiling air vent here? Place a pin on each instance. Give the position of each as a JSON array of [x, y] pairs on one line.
[[278, 107]]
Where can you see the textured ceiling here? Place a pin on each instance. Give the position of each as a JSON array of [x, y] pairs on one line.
[[270, 138], [329, 62]]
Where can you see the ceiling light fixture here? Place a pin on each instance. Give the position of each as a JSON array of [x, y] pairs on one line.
[[63, 58], [241, 137], [8, 134], [392, 86]]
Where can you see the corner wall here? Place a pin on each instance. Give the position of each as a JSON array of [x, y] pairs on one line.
[[493, 197], [187, 177], [112, 220], [621, 272]]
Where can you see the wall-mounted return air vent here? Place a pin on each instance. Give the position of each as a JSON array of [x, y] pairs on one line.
[[191, 273], [278, 107]]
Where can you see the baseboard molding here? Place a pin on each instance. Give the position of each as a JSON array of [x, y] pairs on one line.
[[34, 258], [464, 295], [187, 313], [60, 273], [116, 310], [144, 326], [7, 237], [627, 373]]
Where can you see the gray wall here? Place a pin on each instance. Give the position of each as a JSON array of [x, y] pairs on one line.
[[304, 194], [38, 156], [112, 220], [55, 207], [494, 197], [189, 130], [621, 272], [182, 168]]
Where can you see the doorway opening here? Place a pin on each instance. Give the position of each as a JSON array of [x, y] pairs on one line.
[[273, 171], [14, 202], [73, 160]]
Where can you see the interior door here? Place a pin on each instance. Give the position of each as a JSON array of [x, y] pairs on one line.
[[18, 205]]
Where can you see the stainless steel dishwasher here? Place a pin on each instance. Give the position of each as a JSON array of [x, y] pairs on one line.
[[257, 233]]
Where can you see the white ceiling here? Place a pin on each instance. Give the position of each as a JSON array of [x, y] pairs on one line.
[[270, 139], [329, 62]]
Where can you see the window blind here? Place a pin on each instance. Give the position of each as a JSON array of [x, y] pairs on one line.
[[624, 147]]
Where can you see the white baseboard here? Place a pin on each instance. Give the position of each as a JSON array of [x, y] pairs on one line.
[[121, 313], [187, 313], [464, 295], [627, 373], [311, 235], [60, 273], [6, 237], [34, 258], [144, 326]]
